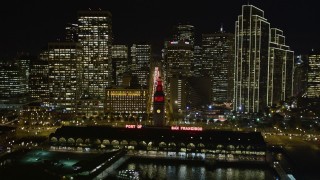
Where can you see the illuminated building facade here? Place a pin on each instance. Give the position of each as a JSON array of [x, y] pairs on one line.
[[184, 33], [11, 80], [38, 80], [13, 89], [313, 85], [23, 63], [183, 142], [178, 58], [218, 55], [261, 60], [196, 64], [300, 75], [119, 63], [281, 64], [72, 31], [95, 35], [127, 103], [251, 58], [63, 60], [140, 62], [159, 105], [178, 96]]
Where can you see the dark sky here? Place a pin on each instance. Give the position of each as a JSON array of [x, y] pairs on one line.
[[28, 25]]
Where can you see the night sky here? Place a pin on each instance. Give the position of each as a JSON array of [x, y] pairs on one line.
[[28, 25]]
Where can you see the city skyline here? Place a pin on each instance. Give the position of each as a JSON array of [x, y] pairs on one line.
[[150, 21]]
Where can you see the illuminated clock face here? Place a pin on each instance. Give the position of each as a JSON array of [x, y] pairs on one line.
[[158, 110]]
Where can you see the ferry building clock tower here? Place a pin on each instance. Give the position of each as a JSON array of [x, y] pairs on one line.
[[158, 105]]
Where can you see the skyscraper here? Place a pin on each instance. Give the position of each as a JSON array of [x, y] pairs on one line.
[[11, 81], [300, 75], [178, 57], [196, 64], [251, 58], [218, 54], [313, 84], [63, 60], [13, 89], [185, 33], [119, 63], [95, 35], [38, 80], [259, 51], [140, 62], [281, 64]]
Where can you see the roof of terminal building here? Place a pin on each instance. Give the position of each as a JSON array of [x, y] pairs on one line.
[[160, 134]]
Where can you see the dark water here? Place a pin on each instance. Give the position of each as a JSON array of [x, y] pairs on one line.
[[176, 171]]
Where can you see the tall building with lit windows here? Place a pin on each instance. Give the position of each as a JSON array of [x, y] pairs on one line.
[[178, 58], [196, 65], [140, 62], [120, 63], [11, 80], [300, 75], [185, 33], [23, 63], [95, 71], [281, 68], [313, 84], [218, 57], [251, 59], [38, 80], [13, 92], [63, 62], [71, 32], [262, 60]]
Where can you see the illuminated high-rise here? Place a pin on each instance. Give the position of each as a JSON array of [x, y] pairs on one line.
[[185, 33], [313, 84], [251, 59], [63, 60], [95, 71], [218, 54], [11, 80], [140, 62], [23, 62], [13, 91], [38, 80], [178, 58], [119, 63], [196, 65], [281, 64], [300, 75], [263, 67]]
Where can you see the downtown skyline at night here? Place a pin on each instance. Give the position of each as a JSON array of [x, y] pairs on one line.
[[150, 89]]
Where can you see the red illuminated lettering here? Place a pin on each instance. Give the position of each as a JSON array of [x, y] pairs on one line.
[[130, 126], [186, 128], [174, 127]]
